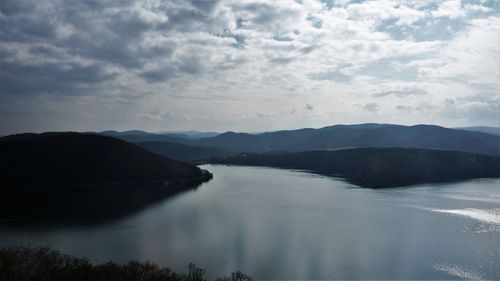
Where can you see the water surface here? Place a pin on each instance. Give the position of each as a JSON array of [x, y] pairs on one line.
[[282, 224]]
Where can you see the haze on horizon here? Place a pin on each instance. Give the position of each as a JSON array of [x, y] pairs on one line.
[[247, 65]]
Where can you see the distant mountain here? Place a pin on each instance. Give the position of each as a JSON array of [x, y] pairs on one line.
[[357, 136], [113, 133], [380, 167], [140, 136], [192, 135], [31, 160], [483, 129], [182, 152]]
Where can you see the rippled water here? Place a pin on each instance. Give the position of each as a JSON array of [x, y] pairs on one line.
[[282, 224]]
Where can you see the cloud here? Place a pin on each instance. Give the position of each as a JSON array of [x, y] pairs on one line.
[[213, 60], [380, 11], [475, 108], [50, 78], [158, 75], [371, 107], [402, 92], [336, 76], [404, 108], [451, 8]]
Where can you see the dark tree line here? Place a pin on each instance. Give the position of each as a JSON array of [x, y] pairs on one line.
[[380, 167], [45, 264]]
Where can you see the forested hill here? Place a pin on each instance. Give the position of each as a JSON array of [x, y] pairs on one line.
[[182, 152], [63, 158], [359, 136], [380, 167]]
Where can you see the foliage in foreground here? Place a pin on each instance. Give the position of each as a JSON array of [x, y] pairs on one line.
[[44, 264]]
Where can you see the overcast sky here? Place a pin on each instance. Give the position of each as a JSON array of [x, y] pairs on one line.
[[247, 65]]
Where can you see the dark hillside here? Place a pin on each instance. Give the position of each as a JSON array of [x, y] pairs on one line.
[[182, 152], [73, 177], [62, 158], [380, 167]]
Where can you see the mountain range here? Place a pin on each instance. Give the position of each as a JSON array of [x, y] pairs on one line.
[[328, 138]]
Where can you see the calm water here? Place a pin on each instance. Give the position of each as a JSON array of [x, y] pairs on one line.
[[282, 224]]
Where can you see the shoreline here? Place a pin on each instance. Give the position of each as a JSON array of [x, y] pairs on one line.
[[94, 202]]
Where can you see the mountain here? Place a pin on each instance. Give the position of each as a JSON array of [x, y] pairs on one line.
[[357, 136], [380, 167], [68, 158], [142, 136], [483, 129], [75, 178], [182, 152], [113, 133], [192, 135]]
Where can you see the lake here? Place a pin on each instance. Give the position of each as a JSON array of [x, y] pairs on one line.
[[283, 224]]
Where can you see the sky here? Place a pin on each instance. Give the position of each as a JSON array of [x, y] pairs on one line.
[[246, 65]]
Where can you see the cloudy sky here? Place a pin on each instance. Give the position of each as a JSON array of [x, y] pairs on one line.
[[247, 65]]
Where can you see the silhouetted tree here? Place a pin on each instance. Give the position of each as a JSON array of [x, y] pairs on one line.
[[236, 276], [45, 264], [195, 273]]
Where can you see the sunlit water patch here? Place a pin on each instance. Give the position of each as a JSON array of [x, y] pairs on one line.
[[461, 272], [488, 215]]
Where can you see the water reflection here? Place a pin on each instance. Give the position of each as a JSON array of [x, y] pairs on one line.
[[82, 208], [279, 224]]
